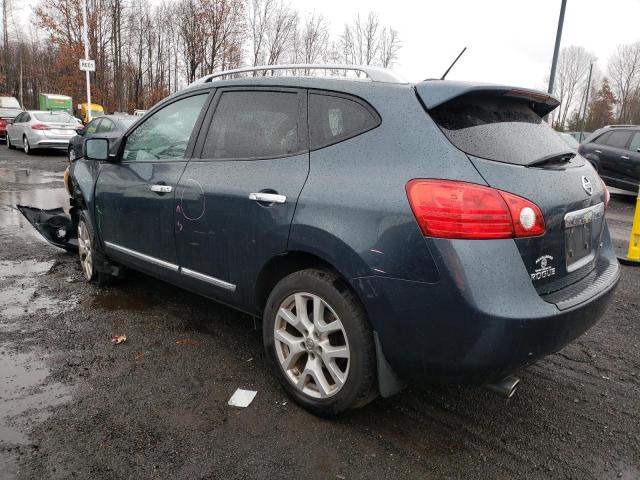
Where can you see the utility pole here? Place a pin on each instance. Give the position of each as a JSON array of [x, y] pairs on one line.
[[556, 50], [586, 100], [85, 34], [20, 92]]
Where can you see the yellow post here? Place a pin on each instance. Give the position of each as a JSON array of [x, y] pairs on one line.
[[633, 255]]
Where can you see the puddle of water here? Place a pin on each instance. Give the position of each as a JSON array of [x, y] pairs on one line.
[[116, 301], [48, 198], [28, 176], [23, 377], [21, 293]]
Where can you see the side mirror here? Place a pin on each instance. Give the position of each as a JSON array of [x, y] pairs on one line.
[[96, 149]]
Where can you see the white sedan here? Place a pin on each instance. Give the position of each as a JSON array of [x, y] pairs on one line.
[[40, 129]]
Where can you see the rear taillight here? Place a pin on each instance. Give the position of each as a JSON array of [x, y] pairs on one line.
[[3, 123], [450, 209], [39, 126]]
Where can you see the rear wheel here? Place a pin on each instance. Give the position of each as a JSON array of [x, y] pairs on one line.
[[320, 343], [10, 145], [86, 252]]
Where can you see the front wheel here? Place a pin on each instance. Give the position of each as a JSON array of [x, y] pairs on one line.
[[86, 251], [320, 343]]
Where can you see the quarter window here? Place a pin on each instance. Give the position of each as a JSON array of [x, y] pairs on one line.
[[254, 124], [106, 126], [635, 142], [165, 134], [333, 119]]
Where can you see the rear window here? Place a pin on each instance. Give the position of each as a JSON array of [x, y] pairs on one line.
[[54, 117], [333, 119], [6, 113], [497, 128]]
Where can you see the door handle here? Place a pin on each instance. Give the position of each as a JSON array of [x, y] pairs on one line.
[[267, 197], [161, 188], [624, 157], [598, 151]]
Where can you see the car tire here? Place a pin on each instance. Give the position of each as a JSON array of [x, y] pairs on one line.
[[87, 242], [10, 145], [328, 366], [25, 146]]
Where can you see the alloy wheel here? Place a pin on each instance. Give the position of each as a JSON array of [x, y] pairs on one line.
[[25, 145], [85, 251], [311, 345]]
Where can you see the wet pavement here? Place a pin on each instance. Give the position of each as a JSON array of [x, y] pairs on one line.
[[74, 405]]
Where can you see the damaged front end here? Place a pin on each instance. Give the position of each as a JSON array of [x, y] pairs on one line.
[[55, 225]]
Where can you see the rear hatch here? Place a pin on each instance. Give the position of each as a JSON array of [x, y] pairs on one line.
[[59, 124], [502, 131]]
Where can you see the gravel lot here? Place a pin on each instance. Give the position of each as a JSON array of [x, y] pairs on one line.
[[73, 405]]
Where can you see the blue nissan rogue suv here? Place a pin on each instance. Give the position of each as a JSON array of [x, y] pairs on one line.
[[386, 232]]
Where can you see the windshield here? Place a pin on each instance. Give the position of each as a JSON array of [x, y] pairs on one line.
[[572, 142], [127, 122], [497, 128], [54, 117], [97, 113]]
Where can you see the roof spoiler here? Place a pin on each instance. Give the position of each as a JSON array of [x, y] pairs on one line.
[[436, 92]]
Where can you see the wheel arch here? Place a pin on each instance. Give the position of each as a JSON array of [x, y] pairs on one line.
[[278, 267]]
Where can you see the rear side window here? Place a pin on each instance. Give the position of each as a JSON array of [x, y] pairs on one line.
[[254, 124], [333, 119], [498, 128], [618, 139], [106, 126]]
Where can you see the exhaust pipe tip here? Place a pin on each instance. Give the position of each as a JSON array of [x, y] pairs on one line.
[[506, 387]]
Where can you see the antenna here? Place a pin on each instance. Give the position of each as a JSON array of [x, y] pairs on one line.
[[454, 62]]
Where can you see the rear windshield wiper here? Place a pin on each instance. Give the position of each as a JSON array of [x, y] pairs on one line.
[[553, 159]]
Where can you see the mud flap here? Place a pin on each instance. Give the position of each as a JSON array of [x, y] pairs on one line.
[[54, 225]]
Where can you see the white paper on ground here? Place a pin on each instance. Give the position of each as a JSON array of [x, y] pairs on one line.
[[242, 398]]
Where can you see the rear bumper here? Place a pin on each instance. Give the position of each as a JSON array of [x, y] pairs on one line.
[[483, 319], [51, 143]]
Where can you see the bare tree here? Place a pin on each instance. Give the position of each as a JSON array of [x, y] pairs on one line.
[[314, 38], [280, 32], [259, 15], [624, 73], [389, 47], [573, 68]]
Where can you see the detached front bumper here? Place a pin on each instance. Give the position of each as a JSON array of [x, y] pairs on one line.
[[483, 319]]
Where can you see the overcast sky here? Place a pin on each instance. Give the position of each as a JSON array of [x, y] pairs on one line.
[[509, 41]]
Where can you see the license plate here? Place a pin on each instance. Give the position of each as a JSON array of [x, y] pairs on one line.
[[579, 236]]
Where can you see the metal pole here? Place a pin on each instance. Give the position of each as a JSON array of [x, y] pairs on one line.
[[586, 100], [86, 54], [556, 50], [21, 99]]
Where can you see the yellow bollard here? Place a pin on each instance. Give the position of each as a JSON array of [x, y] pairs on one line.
[[633, 255]]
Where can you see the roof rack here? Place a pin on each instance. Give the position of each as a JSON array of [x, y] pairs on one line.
[[374, 74]]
